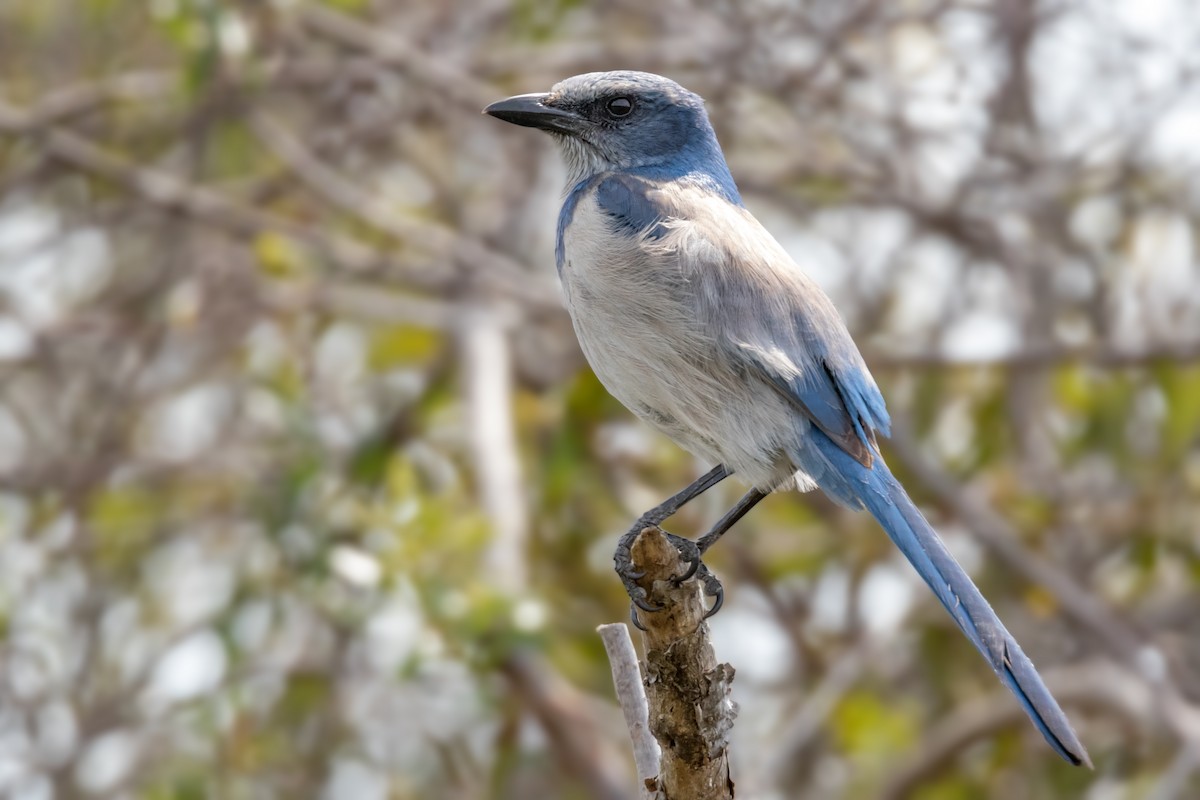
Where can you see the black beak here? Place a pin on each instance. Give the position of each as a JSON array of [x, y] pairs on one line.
[[531, 111]]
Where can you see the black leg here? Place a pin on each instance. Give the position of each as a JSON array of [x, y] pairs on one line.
[[712, 586], [660, 512], [749, 500], [623, 559], [701, 545]]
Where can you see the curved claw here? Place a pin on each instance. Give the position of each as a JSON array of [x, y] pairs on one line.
[[687, 552], [717, 603], [644, 604], [633, 617], [693, 566], [634, 574]]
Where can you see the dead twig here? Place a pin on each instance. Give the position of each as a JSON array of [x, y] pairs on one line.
[[627, 680]]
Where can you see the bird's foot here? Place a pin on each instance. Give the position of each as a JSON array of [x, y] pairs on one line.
[[623, 563], [689, 553]]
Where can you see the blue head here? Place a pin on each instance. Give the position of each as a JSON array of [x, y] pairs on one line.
[[625, 122]]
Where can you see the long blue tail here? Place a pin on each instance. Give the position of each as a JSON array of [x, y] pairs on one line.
[[877, 490]]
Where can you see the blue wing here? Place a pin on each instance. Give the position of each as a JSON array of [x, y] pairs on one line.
[[837, 395]]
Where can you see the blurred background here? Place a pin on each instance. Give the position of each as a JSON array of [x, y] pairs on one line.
[[306, 491]]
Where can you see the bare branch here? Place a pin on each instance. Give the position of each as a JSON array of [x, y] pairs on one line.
[[627, 680], [691, 713]]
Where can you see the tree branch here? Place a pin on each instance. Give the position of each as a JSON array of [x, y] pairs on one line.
[[627, 680], [691, 713]]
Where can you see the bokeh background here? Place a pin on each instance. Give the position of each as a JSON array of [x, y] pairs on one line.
[[306, 491]]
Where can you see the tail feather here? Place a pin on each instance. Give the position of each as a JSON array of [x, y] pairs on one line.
[[877, 490]]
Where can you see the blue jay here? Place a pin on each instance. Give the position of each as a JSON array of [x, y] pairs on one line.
[[698, 321]]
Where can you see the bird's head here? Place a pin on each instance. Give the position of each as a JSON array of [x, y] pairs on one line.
[[619, 121]]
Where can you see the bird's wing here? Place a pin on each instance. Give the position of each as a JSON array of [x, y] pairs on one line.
[[766, 315]]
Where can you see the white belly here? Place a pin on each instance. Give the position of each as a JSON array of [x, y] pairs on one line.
[[637, 325]]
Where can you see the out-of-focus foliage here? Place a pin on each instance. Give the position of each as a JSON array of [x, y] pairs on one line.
[[305, 490]]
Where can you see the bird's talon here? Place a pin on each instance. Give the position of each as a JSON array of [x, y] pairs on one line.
[[688, 552], [633, 617], [693, 566], [641, 602], [718, 601], [713, 589]]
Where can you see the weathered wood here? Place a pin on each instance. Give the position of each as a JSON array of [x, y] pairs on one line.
[[631, 693], [690, 709]]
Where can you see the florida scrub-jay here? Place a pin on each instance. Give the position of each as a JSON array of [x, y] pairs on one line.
[[694, 317]]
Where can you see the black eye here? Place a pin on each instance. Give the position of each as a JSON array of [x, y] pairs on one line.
[[619, 107]]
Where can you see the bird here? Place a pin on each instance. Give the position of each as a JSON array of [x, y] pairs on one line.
[[698, 321]]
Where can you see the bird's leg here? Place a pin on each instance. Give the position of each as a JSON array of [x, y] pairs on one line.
[[692, 551], [712, 586], [749, 500], [623, 559]]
